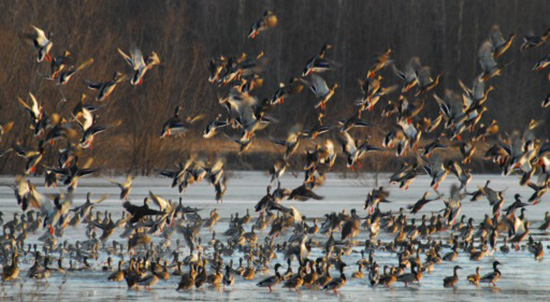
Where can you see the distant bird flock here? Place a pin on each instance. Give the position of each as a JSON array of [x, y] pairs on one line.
[[459, 126]]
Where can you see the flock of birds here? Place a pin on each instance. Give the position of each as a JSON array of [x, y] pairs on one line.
[[458, 125]]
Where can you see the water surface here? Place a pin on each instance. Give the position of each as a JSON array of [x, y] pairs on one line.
[[523, 277]]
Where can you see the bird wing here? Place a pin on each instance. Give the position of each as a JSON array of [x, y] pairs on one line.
[[128, 182], [415, 64], [87, 119], [398, 72], [86, 63], [437, 165], [24, 104], [40, 36], [217, 165], [137, 58], [35, 107], [488, 277], [409, 130], [319, 86], [22, 185], [101, 199], [443, 106], [92, 85], [297, 216], [423, 75], [39, 201], [454, 195], [478, 88], [170, 174], [126, 57], [485, 56], [195, 119], [348, 144], [129, 207], [114, 182], [161, 202], [495, 37], [247, 115]]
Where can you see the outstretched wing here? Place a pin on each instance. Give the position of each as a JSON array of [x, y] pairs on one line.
[[40, 36], [159, 201], [126, 57]]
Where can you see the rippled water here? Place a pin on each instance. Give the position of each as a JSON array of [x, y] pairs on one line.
[[523, 277]]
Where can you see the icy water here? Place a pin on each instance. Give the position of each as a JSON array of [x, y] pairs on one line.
[[523, 277]]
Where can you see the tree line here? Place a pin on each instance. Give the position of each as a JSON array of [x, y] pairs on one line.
[[446, 35]]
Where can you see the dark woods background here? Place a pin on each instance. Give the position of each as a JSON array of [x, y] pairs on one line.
[[444, 34]]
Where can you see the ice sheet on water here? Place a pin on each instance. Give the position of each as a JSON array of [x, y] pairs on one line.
[[522, 276]]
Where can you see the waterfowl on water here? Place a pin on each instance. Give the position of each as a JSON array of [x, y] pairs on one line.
[[324, 278], [359, 273], [202, 275], [11, 272], [150, 279], [475, 278], [451, 281], [337, 283], [38, 271], [270, 282], [117, 276], [310, 278], [295, 281], [492, 277], [228, 278], [409, 277], [149, 229], [546, 224], [187, 281], [216, 278], [451, 256], [248, 273], [387, 279]]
